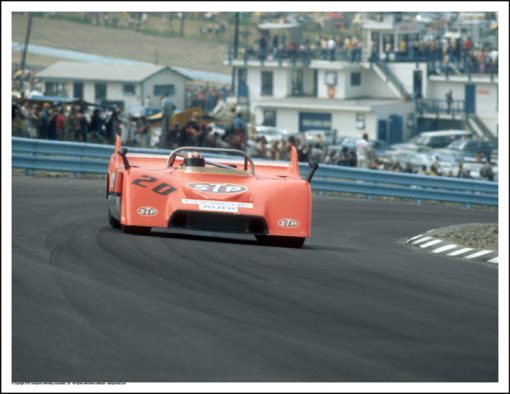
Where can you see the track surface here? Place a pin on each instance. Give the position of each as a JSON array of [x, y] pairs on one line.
[[93, 304]]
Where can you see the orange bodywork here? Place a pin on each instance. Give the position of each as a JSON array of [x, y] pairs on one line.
[[274, 199]]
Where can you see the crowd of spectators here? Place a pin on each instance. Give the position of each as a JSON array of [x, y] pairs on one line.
[[363, 157], [205, 96], [68, 122], [278, 47], [461, 53], [441, 54], [72, 123], [197, 132]]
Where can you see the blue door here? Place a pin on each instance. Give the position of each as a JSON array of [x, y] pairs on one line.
[[396, 129], [382, 130], [469, 98]]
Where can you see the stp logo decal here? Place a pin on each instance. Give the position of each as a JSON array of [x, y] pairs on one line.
[[288, 223], [217, 188], [147, 211]]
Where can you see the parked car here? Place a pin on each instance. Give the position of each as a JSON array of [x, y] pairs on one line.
[[271, 133], [471, 148], [378, 147], [315, 136], [141, 110], [431, 140]]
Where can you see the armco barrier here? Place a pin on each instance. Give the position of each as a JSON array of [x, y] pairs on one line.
[[31, 154]]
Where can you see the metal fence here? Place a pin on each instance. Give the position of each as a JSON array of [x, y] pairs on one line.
[[79, 158]]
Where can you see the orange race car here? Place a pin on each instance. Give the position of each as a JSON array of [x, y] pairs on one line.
[[210, 189]]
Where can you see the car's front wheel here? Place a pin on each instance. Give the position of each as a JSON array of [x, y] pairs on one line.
[[113, 222]]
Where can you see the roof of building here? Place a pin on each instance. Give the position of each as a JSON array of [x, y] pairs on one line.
[[354, 104], [193, 74], [103, 72]]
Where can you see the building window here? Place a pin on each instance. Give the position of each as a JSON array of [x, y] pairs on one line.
[[54, 89], [242, 85], [128, 89], [331, 78], [267, 83], [269, 117], [100, 91], [297, 82], [78, 90], [355, 79], [360, 121], [160, 90]]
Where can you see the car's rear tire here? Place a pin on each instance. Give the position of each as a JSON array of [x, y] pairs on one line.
[[288, 242], [138, 230]]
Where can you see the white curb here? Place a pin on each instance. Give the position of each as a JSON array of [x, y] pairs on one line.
[[449, 249]]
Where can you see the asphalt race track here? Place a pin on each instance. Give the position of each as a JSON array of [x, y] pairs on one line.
[[91, 303]]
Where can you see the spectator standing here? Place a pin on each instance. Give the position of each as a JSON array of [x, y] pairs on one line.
[[463, 172], [60, 124], [96, 132], [128, 131], [34, 121], [486, 172], [143, 132], [239, 134], [18, 129], [191, 131], [113, 125], [331, 49], [274, 150], [45, 117], [52, 124], [363, 151], [168, 108], [449, 101], [82, 126]]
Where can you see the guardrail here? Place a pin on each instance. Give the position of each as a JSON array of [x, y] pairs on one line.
[[78, 158]]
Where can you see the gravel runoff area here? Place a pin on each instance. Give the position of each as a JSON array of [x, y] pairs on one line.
[[473, 235]]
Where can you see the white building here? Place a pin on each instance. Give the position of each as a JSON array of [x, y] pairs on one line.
[[110, 84], [350, 98], [478, 94], [390, 99]]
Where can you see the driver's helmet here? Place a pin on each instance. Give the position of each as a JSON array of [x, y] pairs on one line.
[[194, 159]]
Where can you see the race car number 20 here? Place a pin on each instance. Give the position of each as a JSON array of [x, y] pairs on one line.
[[162, 189]]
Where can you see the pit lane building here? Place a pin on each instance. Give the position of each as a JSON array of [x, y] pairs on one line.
[[384, 93]]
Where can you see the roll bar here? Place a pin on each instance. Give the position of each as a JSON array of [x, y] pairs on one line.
[[247, 158]]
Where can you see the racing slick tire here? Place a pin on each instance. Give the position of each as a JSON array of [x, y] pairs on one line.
[[288, 242], [113, 222], [137, 230]]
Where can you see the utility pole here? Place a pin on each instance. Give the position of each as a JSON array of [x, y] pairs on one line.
[[236, 35], [27, 39], [236, 45], [182, 24]]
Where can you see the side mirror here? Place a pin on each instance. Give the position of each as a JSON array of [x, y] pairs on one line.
[[122, 152], [313, 167]]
